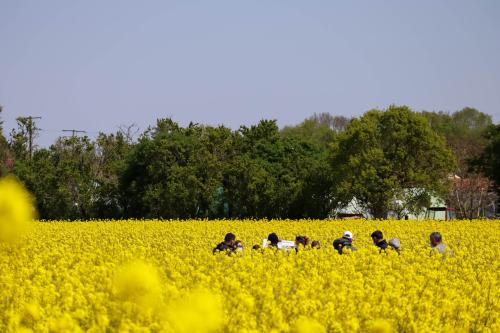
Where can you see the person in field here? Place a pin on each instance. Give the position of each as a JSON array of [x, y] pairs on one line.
[[344, 242], [379, 241], [273, 240], [437, 244], [315, 244], [228, 245], [238, 245], [301, 241], [395, 245]]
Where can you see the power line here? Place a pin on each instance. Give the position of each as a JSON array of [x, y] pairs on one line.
[[74, 132]]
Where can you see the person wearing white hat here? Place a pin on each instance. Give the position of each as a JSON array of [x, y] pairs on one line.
[[344, 242]]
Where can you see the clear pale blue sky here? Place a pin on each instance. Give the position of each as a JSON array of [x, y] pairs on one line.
[[95, 65]]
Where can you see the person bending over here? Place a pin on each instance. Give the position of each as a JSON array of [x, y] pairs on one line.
[[273, 240], [228, 245], [344, 242], [301, 241], [379, 241]]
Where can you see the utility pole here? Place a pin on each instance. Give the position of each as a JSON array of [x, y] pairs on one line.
[[30, 128], [74, 132]]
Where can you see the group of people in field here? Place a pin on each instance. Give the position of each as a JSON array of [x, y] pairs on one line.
[[231, 245], [345, 242]]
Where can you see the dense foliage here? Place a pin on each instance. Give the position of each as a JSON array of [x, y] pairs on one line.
[[489, 160], [390, 155], [310, 170]]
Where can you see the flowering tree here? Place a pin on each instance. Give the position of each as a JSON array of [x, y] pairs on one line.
[[472, 196]]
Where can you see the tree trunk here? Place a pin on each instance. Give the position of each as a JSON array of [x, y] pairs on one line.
[[379, 212]]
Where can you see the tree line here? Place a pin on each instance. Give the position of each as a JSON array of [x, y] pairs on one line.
[[388, 160]]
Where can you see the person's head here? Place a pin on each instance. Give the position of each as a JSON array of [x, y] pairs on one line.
[[435, 238], [315, 244], [377, 236], [302, 240], [347, 235], [256, 247], [229, 238], [273, 239]]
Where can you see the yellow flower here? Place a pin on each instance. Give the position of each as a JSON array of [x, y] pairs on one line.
[[138, 282], [16, 210], [380, 326], [197, 311], [307, 325], [161, 276]]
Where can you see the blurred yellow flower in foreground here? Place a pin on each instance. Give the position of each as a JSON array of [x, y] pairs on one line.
[[138, 282], [197, 311], [16, 210]]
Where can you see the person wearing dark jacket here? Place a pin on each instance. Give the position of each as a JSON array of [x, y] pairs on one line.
[[315, 244], [228, 245], [344, 242], [379, 241], [301, 240], [273, 240]]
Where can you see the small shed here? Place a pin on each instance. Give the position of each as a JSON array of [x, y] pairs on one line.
[[438, 210]]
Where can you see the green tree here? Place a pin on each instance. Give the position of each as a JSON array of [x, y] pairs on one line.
[[463, 131], [320, 129], [62, 178], [489, 161], [275, 177], [22, 139], [174, 172], [4, 149], [384, 154], [112, 151]]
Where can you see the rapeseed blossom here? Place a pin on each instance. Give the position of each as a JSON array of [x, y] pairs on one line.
[[161, 276], [16, 210]]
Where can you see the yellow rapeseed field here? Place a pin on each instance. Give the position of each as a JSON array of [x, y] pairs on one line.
[[161, 276]]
